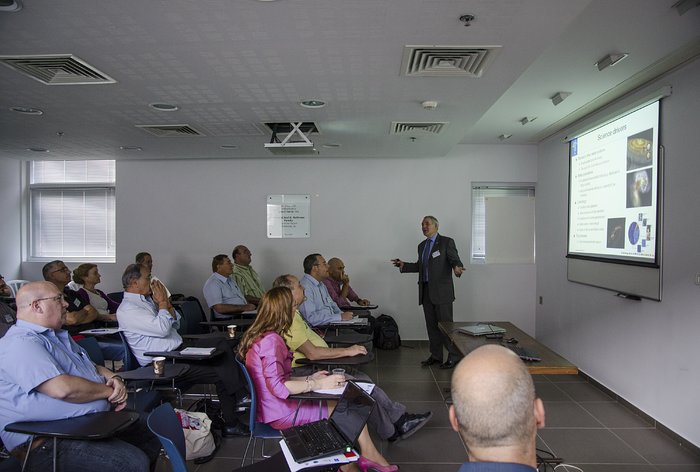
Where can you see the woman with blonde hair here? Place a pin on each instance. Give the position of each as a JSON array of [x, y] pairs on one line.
[[269, 362]]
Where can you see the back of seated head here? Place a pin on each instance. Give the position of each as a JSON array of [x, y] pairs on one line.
[[494, 405], [310, 262], [80, 272], [48, 268]]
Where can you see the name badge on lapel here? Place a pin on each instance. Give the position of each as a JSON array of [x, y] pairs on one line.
[[436, 254]]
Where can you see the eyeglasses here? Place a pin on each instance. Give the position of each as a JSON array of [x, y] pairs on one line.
[[58, 298]]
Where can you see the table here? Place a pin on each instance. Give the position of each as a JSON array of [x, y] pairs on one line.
[[551, 363], [242, 324], [177, 355], [277, 463], [98, 425], [347, 338], [351, 360], [146, 373]]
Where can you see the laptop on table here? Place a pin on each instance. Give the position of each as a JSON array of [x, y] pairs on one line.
[[481, 329], [336, 435]]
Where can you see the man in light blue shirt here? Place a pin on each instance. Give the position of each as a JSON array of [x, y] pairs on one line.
[[45, 376], [319, 308], [149, 323], [221, 292]]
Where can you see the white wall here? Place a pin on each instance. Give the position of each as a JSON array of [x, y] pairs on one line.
[[10, 255], [644, 351], [364, 211]]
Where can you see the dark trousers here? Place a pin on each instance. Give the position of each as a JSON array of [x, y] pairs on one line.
[[434, 313], [223, 372]]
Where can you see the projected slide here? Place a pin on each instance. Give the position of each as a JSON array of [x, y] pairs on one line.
[[613, 189]]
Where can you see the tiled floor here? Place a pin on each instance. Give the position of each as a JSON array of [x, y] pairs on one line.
[[585, 427]]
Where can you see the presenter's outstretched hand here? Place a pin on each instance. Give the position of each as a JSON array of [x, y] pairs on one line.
[[398, 263]]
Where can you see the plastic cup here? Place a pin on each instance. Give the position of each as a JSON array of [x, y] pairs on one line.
[[339, 372]]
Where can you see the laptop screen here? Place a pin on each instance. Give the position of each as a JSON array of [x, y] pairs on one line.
[[352, 412]]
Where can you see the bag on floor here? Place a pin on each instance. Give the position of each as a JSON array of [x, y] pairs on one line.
[[199, 441], [386, 333]]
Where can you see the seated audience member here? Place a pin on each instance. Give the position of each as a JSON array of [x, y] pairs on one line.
[[389, 419], [45, 376], [5, 290], [150, 323], [245, 276], [319, 308], [495, 411], [80, 316], [222, 292], [269, 362], [338, 285], [145, 258], [87, 275], [7, 318]]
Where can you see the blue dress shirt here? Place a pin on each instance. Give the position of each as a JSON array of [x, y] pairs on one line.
[[219, 289], [319, 308], [495, 467], [31, 355]]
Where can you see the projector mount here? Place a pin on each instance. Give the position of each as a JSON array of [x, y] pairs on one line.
[[296, 129]]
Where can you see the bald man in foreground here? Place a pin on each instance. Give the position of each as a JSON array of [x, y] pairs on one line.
[[495, 411], [45, 375]]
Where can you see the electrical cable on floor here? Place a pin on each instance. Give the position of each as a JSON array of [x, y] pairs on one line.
[[568, 467]]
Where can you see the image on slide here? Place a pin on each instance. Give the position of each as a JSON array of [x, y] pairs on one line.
[[639, 188], [616, 233], [640, 149]]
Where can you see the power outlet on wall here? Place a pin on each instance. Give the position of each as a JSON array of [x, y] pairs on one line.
[[697, 279], [541, 297]]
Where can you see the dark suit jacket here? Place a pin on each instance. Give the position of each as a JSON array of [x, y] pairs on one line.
[[441, 288]]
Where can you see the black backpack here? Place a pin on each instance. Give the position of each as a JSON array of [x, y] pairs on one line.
[[386, 333]]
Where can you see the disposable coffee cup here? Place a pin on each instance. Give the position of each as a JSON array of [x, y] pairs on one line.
[[231, 330], [159, 365]]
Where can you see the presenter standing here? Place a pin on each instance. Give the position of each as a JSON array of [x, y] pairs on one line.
[[437, 259]]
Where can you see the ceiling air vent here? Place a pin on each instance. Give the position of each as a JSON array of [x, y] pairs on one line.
[[57, 69], [447, 61], [170, 131], [398, 127]]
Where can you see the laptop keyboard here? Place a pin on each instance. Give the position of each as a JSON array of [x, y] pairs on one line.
[[317, 438], [523, 353]]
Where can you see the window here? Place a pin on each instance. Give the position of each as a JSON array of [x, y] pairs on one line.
[[503, 223], [72, 210]]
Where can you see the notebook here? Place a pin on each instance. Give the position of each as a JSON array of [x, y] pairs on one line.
[[481, 329], [337, 434]]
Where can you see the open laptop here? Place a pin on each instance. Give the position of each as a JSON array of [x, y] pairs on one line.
[[337, 434], [481, 329]]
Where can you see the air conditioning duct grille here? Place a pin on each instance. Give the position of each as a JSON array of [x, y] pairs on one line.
[[447, 61], [57, 69], [401, 127], [170, 131]]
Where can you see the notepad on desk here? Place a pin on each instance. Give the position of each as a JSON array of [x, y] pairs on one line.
[[197, 351], [356, 320], [366, 386], [100, 331]]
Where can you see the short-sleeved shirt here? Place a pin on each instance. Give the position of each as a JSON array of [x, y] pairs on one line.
[[319, 308], [31, 355], [298, 334], [248, 281], [220, 289]]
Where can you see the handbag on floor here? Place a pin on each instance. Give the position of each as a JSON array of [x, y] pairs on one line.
[[199, 440]]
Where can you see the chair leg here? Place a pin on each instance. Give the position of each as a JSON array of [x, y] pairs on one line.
[[55, 444], [245, 454]]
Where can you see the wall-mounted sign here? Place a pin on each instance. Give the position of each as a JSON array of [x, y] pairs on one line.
[[288, 216]]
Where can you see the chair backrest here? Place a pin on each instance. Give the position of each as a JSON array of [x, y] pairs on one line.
[[130, 361], [191, 317], [251, 389], [164, 423], [93, 350], [15, 285], [116, 296]]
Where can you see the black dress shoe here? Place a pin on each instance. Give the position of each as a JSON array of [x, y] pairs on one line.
[[238, 429], [448, 365], [429, 361], [408, 424]]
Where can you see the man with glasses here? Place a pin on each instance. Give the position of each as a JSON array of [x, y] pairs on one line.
[[45, 375], [319, 308], [80, 316]]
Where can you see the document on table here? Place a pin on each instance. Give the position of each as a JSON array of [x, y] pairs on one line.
[[100, 331], [197, 351], [353, 321], [366, 386]]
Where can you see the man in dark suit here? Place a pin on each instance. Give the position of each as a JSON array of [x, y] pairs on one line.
[[437, 259]]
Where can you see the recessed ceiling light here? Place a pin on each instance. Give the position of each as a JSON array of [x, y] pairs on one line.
[[559, 97], [164, 106], [503, 137], [27, 110], [229, 146], [131, 148], [312, 103], [37, 149], [332, 145]]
